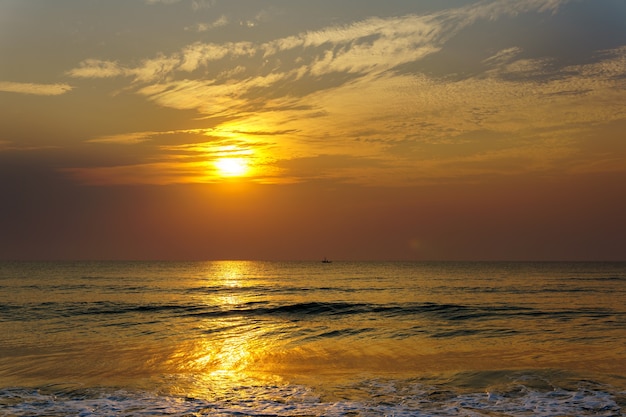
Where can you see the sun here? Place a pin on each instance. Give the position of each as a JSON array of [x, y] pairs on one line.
[[231, 167]]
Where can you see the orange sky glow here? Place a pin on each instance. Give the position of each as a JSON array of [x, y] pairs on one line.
[[274, 129]]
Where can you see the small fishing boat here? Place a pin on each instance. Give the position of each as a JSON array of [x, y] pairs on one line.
[[326, 260]]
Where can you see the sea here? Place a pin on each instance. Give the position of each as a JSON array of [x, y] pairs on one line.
[[249, 338]]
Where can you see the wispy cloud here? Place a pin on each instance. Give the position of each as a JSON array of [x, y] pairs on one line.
[[204, 27], [96, 68], [35, 89], [161, 1], [202, 4], [157, 137], [371, 45], [495, 9], [7, 145], [155, 173], [183, 156], [320, 95], [195, 4], [124, 138], [503, 56], [374, 43]]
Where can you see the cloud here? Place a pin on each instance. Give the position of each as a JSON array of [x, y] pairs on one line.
[[95, 68], [503, 56], [371, 45], [492, 10], [124, 138], [157, 173], [131, 138], [35, 89], [199, 54], [209, 97], [204, 27], [202, 4], [183, 156], [191, 58], [149, 70], [7, 145], [195, 4], [154, 69], [344, 90], [161, 1]]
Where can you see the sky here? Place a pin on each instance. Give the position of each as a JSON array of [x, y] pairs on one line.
[[297, 130]]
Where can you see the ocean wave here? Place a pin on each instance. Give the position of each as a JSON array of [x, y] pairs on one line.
[[300, 310]]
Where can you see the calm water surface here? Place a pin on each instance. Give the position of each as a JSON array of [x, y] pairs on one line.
[[307, 338]]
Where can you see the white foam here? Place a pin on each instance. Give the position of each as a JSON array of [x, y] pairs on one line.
[[383, 400]]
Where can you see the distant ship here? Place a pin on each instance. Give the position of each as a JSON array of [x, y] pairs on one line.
[[326, 261]]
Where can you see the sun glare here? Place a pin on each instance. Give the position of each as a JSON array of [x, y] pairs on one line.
[[231, 167]]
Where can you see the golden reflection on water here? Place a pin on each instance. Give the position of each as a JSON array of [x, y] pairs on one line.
[[243, 347], [233, 347], [218, 336]]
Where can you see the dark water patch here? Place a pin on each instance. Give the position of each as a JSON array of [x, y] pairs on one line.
[[322, 333], [303, 311], [270, 289], [455, 333], [344, 332], [458, 312], [53, 309], [7, 311], [316, 308], [609, 278], [469, 332], [296, 311], [112, 308]]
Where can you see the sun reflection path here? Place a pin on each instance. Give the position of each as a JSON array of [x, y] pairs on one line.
[[234, 343]]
